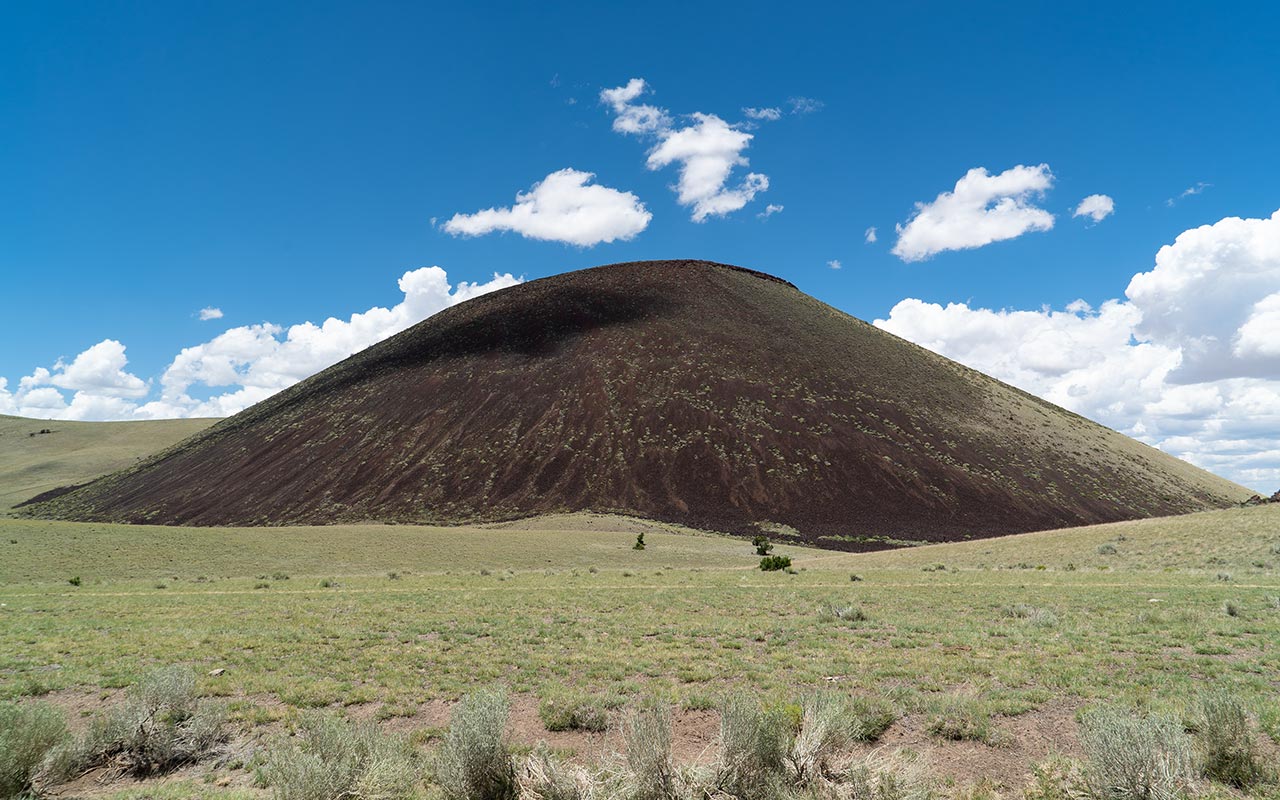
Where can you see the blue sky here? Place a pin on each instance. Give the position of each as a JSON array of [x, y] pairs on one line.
[[283, 163]]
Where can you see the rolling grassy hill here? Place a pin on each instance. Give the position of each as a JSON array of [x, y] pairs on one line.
[[71, 453], [689, 392]]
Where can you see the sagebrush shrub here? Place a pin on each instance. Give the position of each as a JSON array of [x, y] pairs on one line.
[[753, 747], [332, 759], [824, 729], [880, 778], [161, 725], [544, 776], [474, 762], [648, 742], [27, 734], [1130, 757], [1225, 739]]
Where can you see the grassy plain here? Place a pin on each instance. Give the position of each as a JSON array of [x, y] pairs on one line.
[[313, 617]]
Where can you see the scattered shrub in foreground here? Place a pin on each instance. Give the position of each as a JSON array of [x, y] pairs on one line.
[[1135, 758], [893, 778], [774, 563], [573, 714], [474, 763], [842, 612], [869, 717], [1228, 750], [161, 725], [648, 742], [824, 729], [332, 758], [27, 734], [543, 776], [961, 719], [753, 747], [1040, 617]]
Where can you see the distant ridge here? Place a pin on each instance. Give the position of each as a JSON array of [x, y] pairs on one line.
[[687, 391]]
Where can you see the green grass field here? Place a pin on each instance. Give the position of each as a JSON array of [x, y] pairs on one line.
[[573, 606]]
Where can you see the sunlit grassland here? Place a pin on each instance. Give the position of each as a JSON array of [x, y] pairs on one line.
[[686, 618]]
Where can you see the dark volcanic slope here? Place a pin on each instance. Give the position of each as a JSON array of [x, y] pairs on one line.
[[681, 391]]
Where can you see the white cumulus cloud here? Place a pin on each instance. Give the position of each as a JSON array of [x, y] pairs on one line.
[[870, 235], [1187, 361], [1096, 207], [563, 207], [770, 210], [763, 114], [707, 151], [209, 312], [834, 264], [982, 209], [632, 117]]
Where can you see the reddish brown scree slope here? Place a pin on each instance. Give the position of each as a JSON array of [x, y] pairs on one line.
[[676, 390]]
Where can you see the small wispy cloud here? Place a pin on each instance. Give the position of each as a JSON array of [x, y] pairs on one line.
[[1190, 191], [870, 235], [835, 263], [763, 114], [770, 210], [805, 105], [209, 313]]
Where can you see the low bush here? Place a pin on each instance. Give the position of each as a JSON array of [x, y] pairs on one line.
[[1107, 549], [573, 713], [775, 563], [762, 545], [1225, 741], [842, 612], [870, 717], [753, 747], [161, 725], [824, 729], [1130, 757], [544, 776], [474, 762], [332, 759], [651, 774], [27, 734], [960, 718], [1033, 615], [893, 778]]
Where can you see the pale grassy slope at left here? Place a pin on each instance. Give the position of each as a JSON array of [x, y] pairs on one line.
[[69, 453]]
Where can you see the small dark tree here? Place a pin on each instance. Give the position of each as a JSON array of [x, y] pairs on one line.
[[761, 543], [774, 563], [639, 545]]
